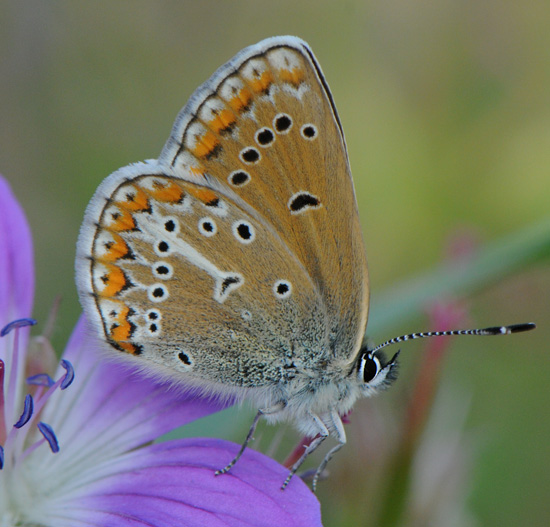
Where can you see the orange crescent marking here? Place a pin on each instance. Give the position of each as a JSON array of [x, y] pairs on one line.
[[115, 281], [128, 347], [241, 100], [294, 76], [202, 194], [222, 121], [118, 249], [138, 202], [125, 222], [263, 82], [206, 145], [170, 193], [123, 329]]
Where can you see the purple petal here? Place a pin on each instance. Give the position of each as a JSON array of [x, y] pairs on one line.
[[16, 259], [173, 483], [110, 409]]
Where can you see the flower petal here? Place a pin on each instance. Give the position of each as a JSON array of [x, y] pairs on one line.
[[173, 483], [110, 409], [16, 259]]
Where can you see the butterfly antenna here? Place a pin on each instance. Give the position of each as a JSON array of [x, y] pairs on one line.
[[496, 330]]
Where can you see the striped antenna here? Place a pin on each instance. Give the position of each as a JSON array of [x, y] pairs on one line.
[[496, 330]]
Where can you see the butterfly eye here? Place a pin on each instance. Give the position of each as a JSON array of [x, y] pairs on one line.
[[369, 367]]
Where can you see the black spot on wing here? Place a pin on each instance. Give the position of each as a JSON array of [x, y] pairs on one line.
[[303, 201]]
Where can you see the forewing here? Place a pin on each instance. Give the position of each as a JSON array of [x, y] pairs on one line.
[[266, 128]]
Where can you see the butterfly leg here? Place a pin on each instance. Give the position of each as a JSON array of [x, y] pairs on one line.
[[321, 436], [341, 437], [262, 411]]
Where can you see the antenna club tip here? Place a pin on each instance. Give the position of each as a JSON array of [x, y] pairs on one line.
[[520, 328]]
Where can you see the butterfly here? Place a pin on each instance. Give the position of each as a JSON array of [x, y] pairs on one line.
[[235, 262]]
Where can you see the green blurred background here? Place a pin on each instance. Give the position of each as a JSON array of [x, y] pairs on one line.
[[446, 108]]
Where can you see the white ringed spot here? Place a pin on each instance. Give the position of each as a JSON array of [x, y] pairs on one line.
[[243, 231], [163, 270], [309, 132], [265, 137], [163, 248], [207, 227], [153, 315], [250, 155], [282, 289], [153, 328], [282, 123], [157, 293], [239, 178], [171, 225]]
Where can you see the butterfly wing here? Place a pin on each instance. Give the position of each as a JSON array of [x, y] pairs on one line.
[[266, 127], [235, 258], [171, 273]]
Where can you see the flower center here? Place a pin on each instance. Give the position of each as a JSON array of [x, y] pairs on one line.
[[21, 432]]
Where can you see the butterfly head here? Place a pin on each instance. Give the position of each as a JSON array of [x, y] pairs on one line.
[[374, 371]]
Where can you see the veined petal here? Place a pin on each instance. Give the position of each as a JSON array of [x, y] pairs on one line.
[[16, 259], [109, 410], [173, 483]]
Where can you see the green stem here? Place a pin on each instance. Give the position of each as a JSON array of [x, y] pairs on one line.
[[458, 279]]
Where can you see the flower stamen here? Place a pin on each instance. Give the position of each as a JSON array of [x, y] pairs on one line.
[[13, 450], [27, 412], [41, 379], [62, 383], [48, 433], [15, 324], [11, 391], [69, 376]]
